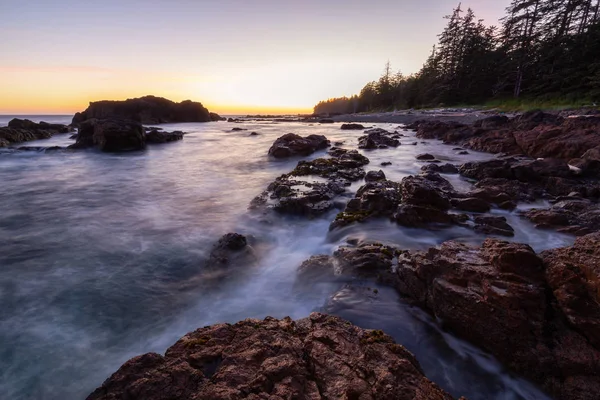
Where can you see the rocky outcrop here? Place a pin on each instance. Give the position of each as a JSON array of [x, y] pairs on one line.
[[415, 202], [573, 274], [320, 357], [293, 194], [146, 110], [110, 135], [295, 145], [24, 130], [534, 316], [569, 215], [535, 134], [377, 139]]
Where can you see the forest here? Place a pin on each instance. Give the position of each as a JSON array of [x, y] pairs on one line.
[[544, 51]]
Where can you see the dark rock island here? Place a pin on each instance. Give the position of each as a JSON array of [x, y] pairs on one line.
[[147, 110]]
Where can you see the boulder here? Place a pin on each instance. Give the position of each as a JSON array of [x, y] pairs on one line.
[[440, 168], [155, 136], [110, 135], [146, 110], [373, 176], [350, 127], [491, 225], [320, 357], [425, 157], [294, 145], [377, 139]]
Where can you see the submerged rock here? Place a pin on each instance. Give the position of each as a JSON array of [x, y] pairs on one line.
[[291, 145], [320, 357]]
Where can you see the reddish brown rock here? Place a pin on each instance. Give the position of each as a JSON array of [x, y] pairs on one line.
[[320, 357], [497, 297], [573, 273], [571, 215]]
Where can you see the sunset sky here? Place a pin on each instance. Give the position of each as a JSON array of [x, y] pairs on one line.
[[235, 56]]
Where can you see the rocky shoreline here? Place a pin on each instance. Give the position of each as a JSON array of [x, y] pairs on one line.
[[539, 314]]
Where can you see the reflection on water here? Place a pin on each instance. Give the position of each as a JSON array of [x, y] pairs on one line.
[[102, 254]]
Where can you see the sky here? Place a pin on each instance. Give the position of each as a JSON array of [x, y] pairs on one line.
[[234, 56]]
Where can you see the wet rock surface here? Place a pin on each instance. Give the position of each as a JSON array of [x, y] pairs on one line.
[[319, 357], [295, 193], [24, 130], [377, 139], [498, 297], [294, 145], [570, 215]]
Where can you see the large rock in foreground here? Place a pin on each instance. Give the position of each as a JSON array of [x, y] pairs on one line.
[[539, 317], [295, 145], [147, 110], [111, 135], [320, 357]]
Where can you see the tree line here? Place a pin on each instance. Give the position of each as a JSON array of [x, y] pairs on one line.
[[543, 50]]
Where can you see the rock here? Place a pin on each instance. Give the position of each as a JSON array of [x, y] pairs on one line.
[[426, 190], [575, 216], [254, 134], [326, 121], [349, 127], [289, 196], [320, 357], [367, 260], [425, 156], [238, 129], [471, 204], [490, 225], [317, 269], [378, 198], [291, 145], [232, 248], [377, 139], [155, 136], [440, 168], [373, 176], [146, 110], [216, 117], [386, 163], [497, 297], [343, 165], [534, 134], [24, 130], [573, 274], [110, 135]]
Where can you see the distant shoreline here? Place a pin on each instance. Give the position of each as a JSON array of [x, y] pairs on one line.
[[466, 116]]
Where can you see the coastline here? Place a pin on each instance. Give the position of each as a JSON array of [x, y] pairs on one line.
[[465, 116]]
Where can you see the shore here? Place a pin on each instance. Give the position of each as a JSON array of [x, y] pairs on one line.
[[463, 115]]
